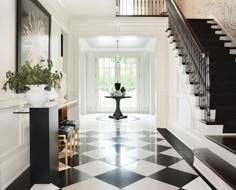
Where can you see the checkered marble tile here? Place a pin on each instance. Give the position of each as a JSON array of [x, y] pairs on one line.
[[102, 143], [197, 184], [144, 168], [135, 143], [183, 166], [171, 152], [95, 168], [98, 153], [92, 183], [125, 155], [44, 186], [140, 153], [150, 184]]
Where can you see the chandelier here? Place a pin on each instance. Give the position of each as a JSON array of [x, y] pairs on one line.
[[117, 57]]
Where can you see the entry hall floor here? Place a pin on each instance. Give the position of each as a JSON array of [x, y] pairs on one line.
[[130, 155]]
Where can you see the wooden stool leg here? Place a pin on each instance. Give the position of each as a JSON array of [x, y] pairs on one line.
[[71, 151], [66, 155]]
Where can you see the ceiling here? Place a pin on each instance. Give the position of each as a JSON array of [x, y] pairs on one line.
[[125, 42], [83, 8]]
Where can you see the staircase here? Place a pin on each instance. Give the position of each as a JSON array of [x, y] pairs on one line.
[[208, 57], [222, 71], [210, 63]]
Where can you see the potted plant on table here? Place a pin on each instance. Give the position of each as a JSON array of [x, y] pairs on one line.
[[33, 80]]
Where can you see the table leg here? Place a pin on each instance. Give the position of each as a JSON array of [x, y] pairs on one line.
[[118, 114]]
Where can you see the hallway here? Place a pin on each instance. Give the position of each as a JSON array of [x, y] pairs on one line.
[[129, 155]]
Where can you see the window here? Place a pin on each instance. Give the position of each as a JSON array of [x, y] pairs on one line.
[[108, 73]]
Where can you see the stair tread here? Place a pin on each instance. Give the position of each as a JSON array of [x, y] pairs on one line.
[[227, 142], [220, 167], [200, 19]]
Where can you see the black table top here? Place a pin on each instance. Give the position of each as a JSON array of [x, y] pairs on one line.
[[116, 97]]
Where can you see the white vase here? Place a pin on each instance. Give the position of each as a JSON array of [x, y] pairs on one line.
[[37, 96], [52, 94]]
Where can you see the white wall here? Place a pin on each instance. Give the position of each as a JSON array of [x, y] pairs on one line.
[[14, 136]]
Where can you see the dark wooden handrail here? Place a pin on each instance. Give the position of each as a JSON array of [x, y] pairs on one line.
[[193, 54], [186, 23]]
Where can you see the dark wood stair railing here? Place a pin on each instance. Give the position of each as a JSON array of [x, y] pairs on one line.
[[193, 55]]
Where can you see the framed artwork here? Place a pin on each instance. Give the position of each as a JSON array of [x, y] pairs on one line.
[[33, 32]]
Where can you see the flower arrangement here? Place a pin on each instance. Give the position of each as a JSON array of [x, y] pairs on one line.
[[32, 75]]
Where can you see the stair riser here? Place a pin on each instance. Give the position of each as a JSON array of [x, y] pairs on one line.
[[223, 116], [225, 101]]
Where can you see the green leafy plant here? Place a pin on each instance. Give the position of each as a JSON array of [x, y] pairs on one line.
[[32, 75]]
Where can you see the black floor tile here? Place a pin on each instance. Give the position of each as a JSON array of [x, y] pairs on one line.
[[78, 159], [174, 177], [22, 182], [119, 148], [162, 159], [87, 139], [69, 177], [119, 160], [155, 148], [182, 149], [120, 177]]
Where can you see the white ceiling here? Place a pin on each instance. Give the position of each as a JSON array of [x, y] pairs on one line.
[[125, 42], [82, 8]]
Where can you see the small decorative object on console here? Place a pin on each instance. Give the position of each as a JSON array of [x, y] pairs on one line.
[[117, 86], [123, 90]]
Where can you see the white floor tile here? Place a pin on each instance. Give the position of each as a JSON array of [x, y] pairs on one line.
[[164, 143], [103, 137], [158, 135], [135, 143], [171, 152], [98, 153], [144, 168], [44, 187], [101, 143], [91, 184], [197, 184], [82, 135], [133, 136], [140, 153], [95, 168], [183, 166], [150, 184]]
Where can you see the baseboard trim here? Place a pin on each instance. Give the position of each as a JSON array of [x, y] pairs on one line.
[[13, 167]]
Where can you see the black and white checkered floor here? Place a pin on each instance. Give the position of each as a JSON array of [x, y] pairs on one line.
[[126, 155]]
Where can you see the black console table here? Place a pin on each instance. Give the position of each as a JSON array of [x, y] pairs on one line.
[[43, 144], [118, 114]]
